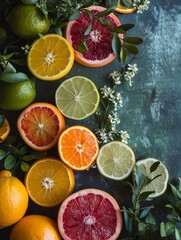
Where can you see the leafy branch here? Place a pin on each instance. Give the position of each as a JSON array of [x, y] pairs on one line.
[[139, 220], [17, 155]]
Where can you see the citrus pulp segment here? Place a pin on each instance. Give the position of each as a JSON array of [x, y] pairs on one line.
[[51, 57], [125, 10], [98, 41], [4, 130], [49, 182], [35, 227], [159, 184], [115, 160], [77, 98], [90, 214], [78, 147], [40, 125]]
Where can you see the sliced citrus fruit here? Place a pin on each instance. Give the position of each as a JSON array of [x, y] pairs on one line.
[[51, 57], [40, 125], [78, 147], [98, 40], [90, 214], [115, 160], [4, 130], [159, 184], [125, 10], [77, 97], [49, 182]]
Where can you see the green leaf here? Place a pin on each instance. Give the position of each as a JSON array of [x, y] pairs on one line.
[[34, 155], [110, 3], [175, 192], [24, 166], [74, 15], [2, 154], [58, 31], [138, 176], [119, 30], [106, 12], [105, 22], [162, 230], [88, 3], [116, 45], [9, 68], [127, 27], [141, 228], [23, 150], [126, 218], [145, 195], [126, 3], [169, 228], [9, 56], [150, 219], [144, 213], [9, 140], [133, 40], [2, 119], [82, 47], [154, 166], [9, 162], [87, 31], [13, 77], [123, 55], [132, 49], [177, 234], [89, 13]]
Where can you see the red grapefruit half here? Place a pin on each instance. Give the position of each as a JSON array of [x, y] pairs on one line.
[[40, 125], [99, 50], [90, 214]]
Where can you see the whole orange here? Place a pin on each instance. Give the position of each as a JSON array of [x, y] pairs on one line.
[[35, 227], [14, 199]]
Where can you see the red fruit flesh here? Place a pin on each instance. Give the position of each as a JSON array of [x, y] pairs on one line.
[[91, 216]]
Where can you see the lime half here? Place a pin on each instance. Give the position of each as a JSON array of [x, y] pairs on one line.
[[77, 98], [115, 160], [159, 184]]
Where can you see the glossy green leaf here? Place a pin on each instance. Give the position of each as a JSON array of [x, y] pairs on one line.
[[123, 55], [150, 219], [133, 40], [162, 229], [126, 218], [116, 45], [75, 15], [169, 228], [127, 27], [58, 31], [2, 154], [177, 234], [88, 30], [154, 166], [132, 49], [89, 13], [107, 11], [13, 77], [105, 22], [126, 3], [23, 150], [110, 3], [24, 166], [144, 213], [9, 162], [145, 195], [82, 47], [119, 30], [141, 228], [34, 155], [9, 68], [88, 3]]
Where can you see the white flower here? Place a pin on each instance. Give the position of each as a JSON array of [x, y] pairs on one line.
[[116, 76], [107, 91], [141, 5], [132, 71], [125, 136], [26, 48], [114, 120]]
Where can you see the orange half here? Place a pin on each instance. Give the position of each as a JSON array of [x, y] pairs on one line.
[[49, 182], [4, 130], [51, 57], [125, 10], [40, 125], [78, 147]]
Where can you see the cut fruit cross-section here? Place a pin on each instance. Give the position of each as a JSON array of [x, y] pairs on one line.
[[98, 40], [4, 130], [90, 214], [51, 57], [40, 125], [77, 98], [115, 160], [78, 147], [124, 10], [49, 182]]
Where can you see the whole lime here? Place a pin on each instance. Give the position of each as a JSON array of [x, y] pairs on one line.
[[16, 96], [27, 21]]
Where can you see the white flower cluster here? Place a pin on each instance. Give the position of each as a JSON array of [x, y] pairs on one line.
[[110, 94], [141, 5], [116, 76], [26, 49], [130, 73]]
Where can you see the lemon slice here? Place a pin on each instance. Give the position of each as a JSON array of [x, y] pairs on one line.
[[115, 160], [124, 10], [77, 98], [159, 184]]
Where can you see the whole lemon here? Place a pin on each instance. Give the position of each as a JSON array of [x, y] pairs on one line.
[[16, 96], [35, 227], [14, 199], [27, 21]]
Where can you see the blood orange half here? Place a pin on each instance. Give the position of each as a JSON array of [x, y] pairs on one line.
[[90, 214], [40, 125], [98, 41]]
